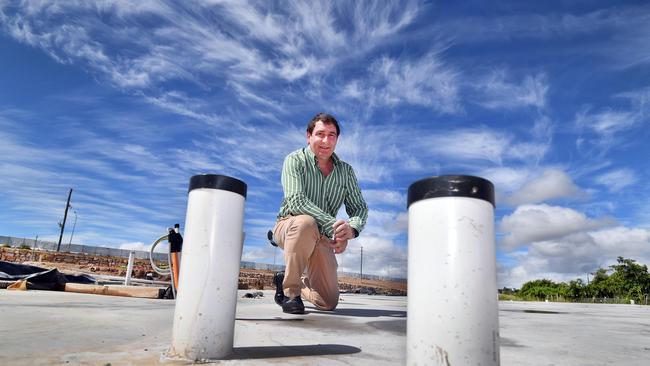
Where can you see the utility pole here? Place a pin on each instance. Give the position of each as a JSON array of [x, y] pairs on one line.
[[34, 248], [274, 252], [65, 216], [361, 270]]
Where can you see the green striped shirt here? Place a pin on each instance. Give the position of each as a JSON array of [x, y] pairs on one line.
[[307, 192]]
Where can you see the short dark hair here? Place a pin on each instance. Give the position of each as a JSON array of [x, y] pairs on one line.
[[326, 119]]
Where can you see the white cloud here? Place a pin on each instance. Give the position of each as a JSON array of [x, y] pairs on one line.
[[385, 224], [528, 151], [384, 197], [466, 144], [606, 123], [497, 92], [380, 256], [624, 241], [468, 147], [263, 254], [551, 184], [534, 150], [576, 255], [36, 179], [639, 98], [371, 161], [184, 106], [427, 81], [160, 248], [387, 18], [527, 25], [227, 34], [534, 223], [505, 180], [616, 180]]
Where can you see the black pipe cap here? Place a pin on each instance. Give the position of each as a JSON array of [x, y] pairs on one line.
[[215, 181], [451, 186]]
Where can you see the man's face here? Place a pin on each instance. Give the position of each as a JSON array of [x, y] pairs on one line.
[[322, 140]]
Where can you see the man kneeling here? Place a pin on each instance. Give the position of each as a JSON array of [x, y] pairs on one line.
[[316, 183]]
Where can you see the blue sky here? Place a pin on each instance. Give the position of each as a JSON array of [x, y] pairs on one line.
[[125, 100]]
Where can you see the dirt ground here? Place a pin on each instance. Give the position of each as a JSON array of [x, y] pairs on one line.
[[256, 279]]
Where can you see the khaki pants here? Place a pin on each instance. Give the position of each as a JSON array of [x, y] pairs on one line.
[[305, 248]]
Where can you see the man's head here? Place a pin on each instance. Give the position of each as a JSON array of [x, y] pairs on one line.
[[322, 135], [326, 119]]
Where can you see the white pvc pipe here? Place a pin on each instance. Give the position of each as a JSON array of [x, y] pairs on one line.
[[204, 317], [452, 291], [129, 269]]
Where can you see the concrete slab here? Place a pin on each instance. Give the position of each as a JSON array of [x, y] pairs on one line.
[[68, 328], [44, 328], [538, 333]]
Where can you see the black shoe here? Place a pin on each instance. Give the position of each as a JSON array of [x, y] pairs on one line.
[[294, 306], [269, 236], [279, 291]]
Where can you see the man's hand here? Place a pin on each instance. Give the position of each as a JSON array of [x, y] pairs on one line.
[[342, 233], [338, 246], [343, 230]]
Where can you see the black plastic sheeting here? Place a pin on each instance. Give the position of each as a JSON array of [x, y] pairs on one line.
[[40, 278]]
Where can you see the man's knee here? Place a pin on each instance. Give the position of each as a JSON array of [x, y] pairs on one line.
[[305, 224], [329, 302]]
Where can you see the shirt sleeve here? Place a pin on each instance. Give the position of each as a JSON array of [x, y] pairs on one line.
[[355, 205], [293, 181]]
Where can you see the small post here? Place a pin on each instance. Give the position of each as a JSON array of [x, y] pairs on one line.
[[361, 269], [129, 269], [34, 248], [74, 225]]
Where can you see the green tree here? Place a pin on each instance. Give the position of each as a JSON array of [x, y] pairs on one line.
[[577, 289], [538, 289], [600, 286], [630, 279]]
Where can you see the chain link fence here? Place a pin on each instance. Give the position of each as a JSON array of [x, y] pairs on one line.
[[76, 248], [140, 254]]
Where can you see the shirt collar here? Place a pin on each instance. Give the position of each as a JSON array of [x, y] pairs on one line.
[[312, 156]]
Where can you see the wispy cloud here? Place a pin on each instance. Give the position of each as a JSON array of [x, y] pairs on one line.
[[496, 91], [604, 130], [606, 123], [427, 81], [470, 144], [186, 44], [618, 179]]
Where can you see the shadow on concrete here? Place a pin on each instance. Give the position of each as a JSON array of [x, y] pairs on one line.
[[366, 313], [530, 311], [276, 319], [243, 353], [507, 342], [396, 326]]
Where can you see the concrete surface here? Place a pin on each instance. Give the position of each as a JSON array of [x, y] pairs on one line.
[[49, 328]]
